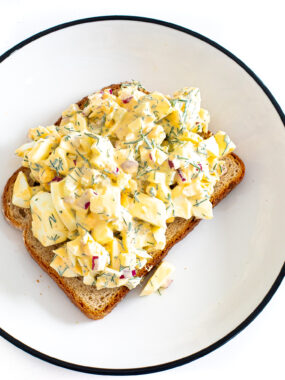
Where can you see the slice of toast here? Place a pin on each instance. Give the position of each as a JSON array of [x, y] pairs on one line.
[[98, 303]]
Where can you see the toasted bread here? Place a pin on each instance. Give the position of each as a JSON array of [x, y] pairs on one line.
[[96, 304]]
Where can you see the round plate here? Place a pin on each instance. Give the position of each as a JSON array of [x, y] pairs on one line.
[[227, 269]]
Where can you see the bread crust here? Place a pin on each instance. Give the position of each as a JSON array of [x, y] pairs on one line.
[[74, 288]]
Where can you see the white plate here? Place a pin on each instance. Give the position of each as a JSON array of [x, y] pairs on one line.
[[227, 269]]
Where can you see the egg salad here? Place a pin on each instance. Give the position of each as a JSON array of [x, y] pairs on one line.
[[113, 173]]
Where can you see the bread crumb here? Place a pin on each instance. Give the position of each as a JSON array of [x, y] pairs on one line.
[[38, 281]]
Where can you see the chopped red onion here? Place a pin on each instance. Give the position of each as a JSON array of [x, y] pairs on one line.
[[84, 200], [134, 272], [150, 156], [117, 170], [127, 100], [74, 161], [167, 283], [70, 199], [171, 164], [122, 276], [56, 179], [95, 262], [130, 166], [224, 170], [94, 192], [200, 166], [127, 273], [110, 91], [181, 175]]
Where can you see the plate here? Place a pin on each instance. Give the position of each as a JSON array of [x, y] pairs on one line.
[[227, 269]]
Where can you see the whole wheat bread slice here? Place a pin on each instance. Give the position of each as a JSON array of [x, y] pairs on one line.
[[96, 304]]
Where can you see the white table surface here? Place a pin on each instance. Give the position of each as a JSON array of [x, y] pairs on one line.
[[253, 31]]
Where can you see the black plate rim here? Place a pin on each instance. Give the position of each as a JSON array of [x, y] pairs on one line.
[[268, 296]]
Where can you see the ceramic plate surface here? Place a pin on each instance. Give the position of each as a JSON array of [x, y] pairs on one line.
[[227, 269]]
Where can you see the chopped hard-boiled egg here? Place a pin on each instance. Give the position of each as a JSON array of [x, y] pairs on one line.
[[63, 209], [62, 268], [102, 232], [22, 192], [225, 144], [159, 237], [112, 174], [41, 150], [47, 226], [211, 146], [106, 202], [181, 205], [159, 105], [149, 209], [159, 279], [203, 209]]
